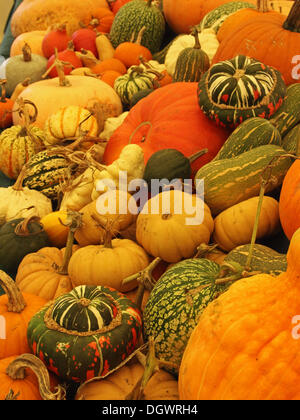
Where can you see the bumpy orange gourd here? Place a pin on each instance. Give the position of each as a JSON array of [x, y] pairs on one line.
[[246, 345]]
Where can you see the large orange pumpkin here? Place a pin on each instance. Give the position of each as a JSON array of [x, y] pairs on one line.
[[181, 15], [246, 345], [278, 49], [169, 117]]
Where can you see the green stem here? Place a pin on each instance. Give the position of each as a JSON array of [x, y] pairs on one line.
[[195, 156]]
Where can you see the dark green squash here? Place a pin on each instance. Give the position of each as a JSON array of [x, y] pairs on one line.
[[288, 115], [136, 97], [191, 62], [232, 91], [291, 141], [18, 238], [85, 333]]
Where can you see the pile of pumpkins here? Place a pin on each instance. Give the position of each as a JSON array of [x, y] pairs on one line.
[[149, 177]]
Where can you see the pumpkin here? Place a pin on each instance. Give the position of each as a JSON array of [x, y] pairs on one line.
[[279, 49], [109, 64], [234, 225], [25, 377], [16, 309], [67, 57], [245, 346], [45, 273], [33, 38], [19, 88], [85, 38], [108, 264], [181, 126], [18, 238], [290, 141], [40, 14], [172, 224], [239, 99], [101, 20], [6, 106], [110, 76], [88, 339], [54, 225], [289, 201], [55, 38], [132, 17], [15, 69], [53, 94], [67, 123], [18, 201], [191, 63]]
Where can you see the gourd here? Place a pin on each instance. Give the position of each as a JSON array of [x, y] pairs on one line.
[[238, 101], [236, 343], [111, 124], [68, 59], [100, 331], [288, 115], [85, 39], [291, 140], [137, 14], [54, 224], [170, 225], [33, 38], [6, 105], [230, 181], [15, 69], [16, 309], [234, 225], [56, 37], [191, 63]]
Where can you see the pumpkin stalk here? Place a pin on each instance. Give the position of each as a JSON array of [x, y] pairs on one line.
[[18, 185], [26, 50], [196, 155], [22, 227], [195, 34], [16, 302], [137, 128], [292, 22], [74, 222], [3, 91], [60, 65], [17, 370], [204, 249]]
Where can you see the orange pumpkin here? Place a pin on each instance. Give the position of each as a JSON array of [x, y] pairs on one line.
[[109, 77], [130, 52], [278, 49], [33, 38], [16, 310], [6, 106], [54, 226], [101, 20]]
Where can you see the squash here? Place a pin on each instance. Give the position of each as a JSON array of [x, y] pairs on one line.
[[88, 339], [291, 141], [85, 39], [6, 106], [56, 37], [172, 224], [246, 343], [132, 17], [238, 100], [33, 38], [111, 124], [101, 20], [230, 181], [54, 225], [234, 226], [16, 309], [251, 133], [18, 89], [15, 69], [68, 60], [25, 377], [191, 63]]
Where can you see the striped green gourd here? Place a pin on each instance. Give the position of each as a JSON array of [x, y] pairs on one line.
[[232, 91], [46, 172], [230, 181], [263, 259], [291, 141], [85, 333], [191, 63], [176, 303], [135, 80], [160, 56], [131, 18], [288, 115], [217, 16], [253, 132]]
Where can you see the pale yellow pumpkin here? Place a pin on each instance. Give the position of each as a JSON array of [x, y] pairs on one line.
[[54, 226]]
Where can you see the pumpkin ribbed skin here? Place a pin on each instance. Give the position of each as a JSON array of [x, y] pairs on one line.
[[251, 133], [16, 148], [172, 310], [85, 333], [132, 17], [232, 91], [131, 83], [46, 172], [230, 181]]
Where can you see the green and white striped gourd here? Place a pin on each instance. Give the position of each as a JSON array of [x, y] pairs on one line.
[[176, 303], [135, 80], [232, 91], [85, 333], [191, 62], [132, 17], [288, 115]]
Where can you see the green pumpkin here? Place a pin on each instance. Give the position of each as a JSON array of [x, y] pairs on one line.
[[18, 238], [191, 63], [132, 17], [136, 97], [175, 304], [232, 91], [134, 81], [291, 141], [5, 181], [288, 115], [85, 333]]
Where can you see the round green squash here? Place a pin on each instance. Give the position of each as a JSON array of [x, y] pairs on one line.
[[136, 97], [232, 91], [291, 141], [85, 333], [175, 304], [130, 19], [134, 81], [18, 238]]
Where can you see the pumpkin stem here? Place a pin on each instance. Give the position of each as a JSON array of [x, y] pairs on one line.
[[150, 69], [18, 185], [87, 57], [195, 34], [23, 111], [292, 22], [22, 227], [16, 302], [60, 65], [195, 156], [26, 50], [140, 36], [262, 6], [11, 396], [3, 90], [74, 221], [17, 370], [204, 249], [137, 128]]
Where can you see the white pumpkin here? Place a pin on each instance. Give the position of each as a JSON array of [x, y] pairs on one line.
[[111, 124]]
